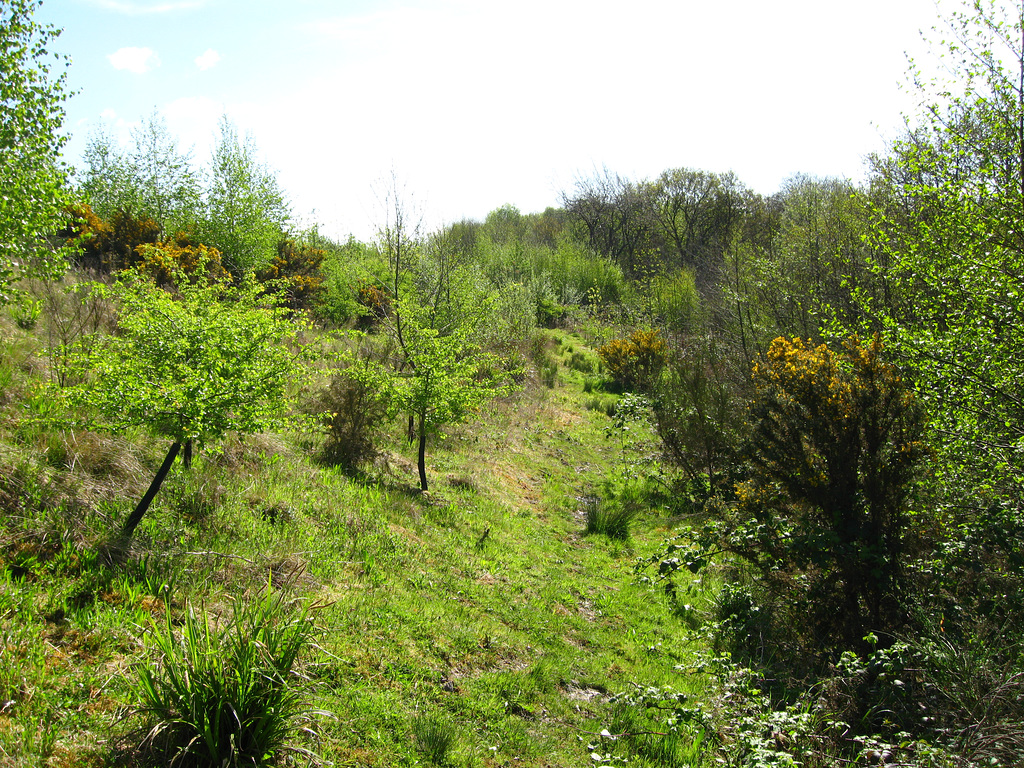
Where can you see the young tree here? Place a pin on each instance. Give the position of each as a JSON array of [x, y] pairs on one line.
[[151, 179], [190, 366], [444, 375], [246, 211], [440, 374], [32, 175], [949, 244]]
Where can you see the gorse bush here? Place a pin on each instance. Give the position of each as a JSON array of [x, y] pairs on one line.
[[227, 696], [836, 446], [634, 363], [296, 271], [166, 262]]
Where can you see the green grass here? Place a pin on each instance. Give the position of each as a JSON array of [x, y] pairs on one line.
[[476, 624]]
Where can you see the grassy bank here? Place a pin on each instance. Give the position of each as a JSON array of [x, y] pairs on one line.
[[476, 624]]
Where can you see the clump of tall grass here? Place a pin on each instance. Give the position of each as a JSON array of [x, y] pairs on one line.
[[609, 518], [230, 695], [435, 737]]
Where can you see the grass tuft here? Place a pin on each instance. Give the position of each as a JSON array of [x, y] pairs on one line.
[[608, 518], [435, 737]]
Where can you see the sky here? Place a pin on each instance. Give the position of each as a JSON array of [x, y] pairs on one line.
[[472, 104]]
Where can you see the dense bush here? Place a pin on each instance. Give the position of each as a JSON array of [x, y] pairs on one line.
[[699, 409], [354, 276], [835, 448], [166, 262], [353, 412], [296, 269], [634, 363]]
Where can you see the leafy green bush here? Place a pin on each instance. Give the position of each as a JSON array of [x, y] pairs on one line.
[[699, 409], [230, 695], [348, 269]]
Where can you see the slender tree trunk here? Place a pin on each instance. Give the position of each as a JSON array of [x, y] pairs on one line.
[[422, 456], [136, 516], [186, 454]]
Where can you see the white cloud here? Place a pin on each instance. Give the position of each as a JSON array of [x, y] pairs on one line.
[[137, 60], [208, 59]]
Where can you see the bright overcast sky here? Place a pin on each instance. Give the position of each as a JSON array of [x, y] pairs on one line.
[[474, 104]]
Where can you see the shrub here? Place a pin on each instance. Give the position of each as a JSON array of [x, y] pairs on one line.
[[297, 271], [581, 362], [676, 301], [108, 246], [353, 412], [228, 696], [835, 449], [375, 303], [550, 313], [698, 414], [634, 363], [171, 260]]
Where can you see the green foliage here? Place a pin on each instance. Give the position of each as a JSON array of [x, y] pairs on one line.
[[246, 211], [227, 695], [296, 272], [354, 408], [448, 375], [950, 248], [699, 413], [191, 366], [550, 314], [150, 180], [673, 301], [355, 280], [173, 260], [948, 244], [802, 264], [32, 175]]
